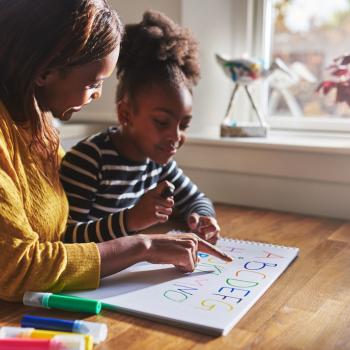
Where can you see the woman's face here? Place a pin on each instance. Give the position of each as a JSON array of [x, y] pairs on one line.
[[156, 127], [62, 94]]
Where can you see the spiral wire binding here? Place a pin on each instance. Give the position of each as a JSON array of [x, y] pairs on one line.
[[256, 243], [243, 241]]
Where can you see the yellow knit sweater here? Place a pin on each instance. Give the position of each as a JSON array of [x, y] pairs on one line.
[[33, 215]]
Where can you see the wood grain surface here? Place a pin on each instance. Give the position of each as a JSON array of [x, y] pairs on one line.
[[308, 307]]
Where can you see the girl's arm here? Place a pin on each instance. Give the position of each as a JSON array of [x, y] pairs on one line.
[[80, 177], [197, 210], [188, 199]]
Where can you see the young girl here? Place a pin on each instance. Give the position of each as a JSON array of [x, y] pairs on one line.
[[118, 176], [54, 56]]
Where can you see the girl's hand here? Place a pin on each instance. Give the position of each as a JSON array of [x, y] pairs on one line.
[[205, 227], [151, 209]]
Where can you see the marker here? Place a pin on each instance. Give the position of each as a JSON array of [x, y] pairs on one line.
[[59, 342], [97, 330], [167, 192], [63, 302], [18, 332]]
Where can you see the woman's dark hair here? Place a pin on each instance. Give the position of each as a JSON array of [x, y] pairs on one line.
[[41, 35], [156, 50]]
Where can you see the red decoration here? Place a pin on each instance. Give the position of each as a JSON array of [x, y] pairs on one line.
[[340, 70]]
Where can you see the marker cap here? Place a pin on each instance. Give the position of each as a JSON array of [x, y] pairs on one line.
[[167, 192], [71, 303], [71, 342], [97, 330], [35, 299], [15, 332], [54, 324]]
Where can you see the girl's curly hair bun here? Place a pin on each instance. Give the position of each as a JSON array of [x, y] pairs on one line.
[[157, 39]]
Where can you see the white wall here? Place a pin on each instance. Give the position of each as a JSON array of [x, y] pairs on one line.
[[213, 24], [284, 175]]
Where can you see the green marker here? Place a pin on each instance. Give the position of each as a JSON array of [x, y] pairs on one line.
[[63, 302]]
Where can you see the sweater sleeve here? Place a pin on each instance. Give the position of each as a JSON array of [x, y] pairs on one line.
[[28, 261], [80, 176], [188, 199]]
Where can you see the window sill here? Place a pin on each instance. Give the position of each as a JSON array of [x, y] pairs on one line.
[[299, 172], [282, 140]]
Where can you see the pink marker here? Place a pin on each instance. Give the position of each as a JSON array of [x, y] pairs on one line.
[[59, 342]]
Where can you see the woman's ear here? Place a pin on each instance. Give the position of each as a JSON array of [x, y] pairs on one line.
[[46, 77], [124, 112]]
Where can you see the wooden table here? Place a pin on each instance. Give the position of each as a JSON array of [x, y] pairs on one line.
[[308, 307]]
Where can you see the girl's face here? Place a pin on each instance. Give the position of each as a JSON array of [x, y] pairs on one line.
[[62, 94], [156, 128]]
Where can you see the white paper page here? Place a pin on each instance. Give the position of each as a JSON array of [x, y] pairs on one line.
[[213, 298]]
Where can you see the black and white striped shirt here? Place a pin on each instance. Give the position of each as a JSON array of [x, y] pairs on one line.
[[101, 185]]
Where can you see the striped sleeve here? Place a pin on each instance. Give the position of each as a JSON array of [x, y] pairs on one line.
[[188, 199], [80, 177]]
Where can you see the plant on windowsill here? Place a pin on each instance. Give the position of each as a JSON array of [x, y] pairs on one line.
[[340, 70]]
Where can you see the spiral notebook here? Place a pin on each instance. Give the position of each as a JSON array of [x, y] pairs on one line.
[[210, 300]]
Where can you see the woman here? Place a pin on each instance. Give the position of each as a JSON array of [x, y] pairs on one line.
[[54, 57]]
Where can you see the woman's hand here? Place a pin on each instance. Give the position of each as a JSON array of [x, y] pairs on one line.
[[205, 227], [151, 209], [177, 249]]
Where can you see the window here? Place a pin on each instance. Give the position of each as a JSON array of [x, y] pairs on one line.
[[307, 36], [267, 29]]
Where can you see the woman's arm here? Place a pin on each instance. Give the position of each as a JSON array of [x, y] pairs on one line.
[[33, 260], [179, 250]]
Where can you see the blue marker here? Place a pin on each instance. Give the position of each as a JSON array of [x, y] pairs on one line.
[[97, 330]]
